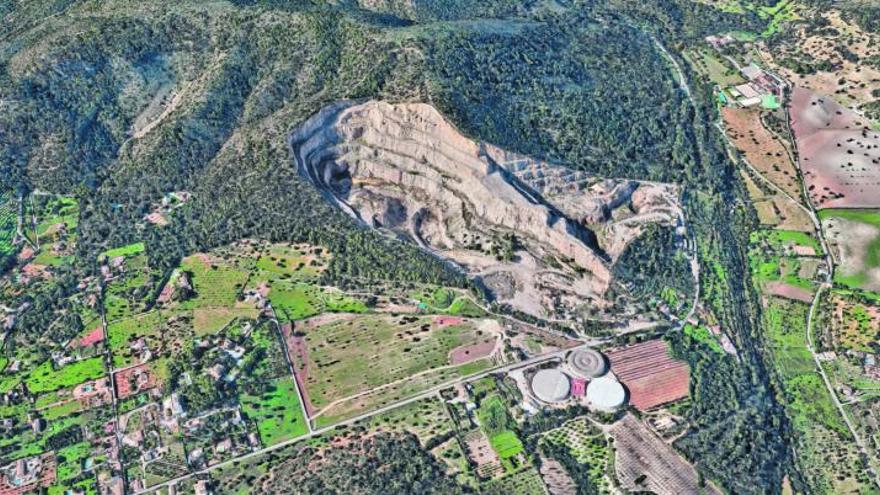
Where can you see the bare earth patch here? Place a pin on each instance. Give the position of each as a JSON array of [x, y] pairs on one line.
[[839, 155], [787, 291], [539, 236], [850, 244], [761, 148], [645, 462]]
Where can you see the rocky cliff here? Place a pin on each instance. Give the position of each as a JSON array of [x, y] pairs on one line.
[[525, 228]]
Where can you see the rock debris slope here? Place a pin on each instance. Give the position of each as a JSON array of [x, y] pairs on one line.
[[540, 237]]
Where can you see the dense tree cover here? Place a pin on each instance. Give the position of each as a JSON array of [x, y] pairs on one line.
[[73, 111], [677, 142], [383, 464], [653, 261], [48, 319]]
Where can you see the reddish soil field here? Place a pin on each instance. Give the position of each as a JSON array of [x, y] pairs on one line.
[[92, 338], [445, 321], [135, 380], [650, 374], [298, 351], [782, 289], [839, 154], [468, 353]]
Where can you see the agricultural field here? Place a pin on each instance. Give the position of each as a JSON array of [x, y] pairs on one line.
[[775, 209], [853, 322], [827, 454], [838, 61], [761, 148], [713, 67], [132, 283], [351, 406], [216, 281], [277, 412], [496, 423], [430, 422], [650, 373], [838, 152], [854, 236], [784, 263], [46, 378], [299, 262], [426, 419], [352, 354], [524, 482], [588, 445], [644, 462]]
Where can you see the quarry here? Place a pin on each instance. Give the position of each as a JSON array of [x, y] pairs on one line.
[[539, 237]]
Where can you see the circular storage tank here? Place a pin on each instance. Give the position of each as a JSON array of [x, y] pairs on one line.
[[605, 393], [551, 385], [586, 363]]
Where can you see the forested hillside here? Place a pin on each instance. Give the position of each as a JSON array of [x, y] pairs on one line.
[[122, 102]]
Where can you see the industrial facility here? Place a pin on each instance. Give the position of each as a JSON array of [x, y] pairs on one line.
[[582, 377]]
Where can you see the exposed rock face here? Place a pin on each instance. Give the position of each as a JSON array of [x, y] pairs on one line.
[[521, 226]]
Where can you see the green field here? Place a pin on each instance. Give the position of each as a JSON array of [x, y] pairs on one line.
[[278, 413], [787, 238], [216, 282], [703, 335], [122, 332], [129, 250], [45, 379], [354, 354], [493, 416], [506, 444], [857, 276], [771, 256], [298, 262], [824, 443], [300, 300]]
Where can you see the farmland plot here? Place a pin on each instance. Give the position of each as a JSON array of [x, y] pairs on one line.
[[356, 354]]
